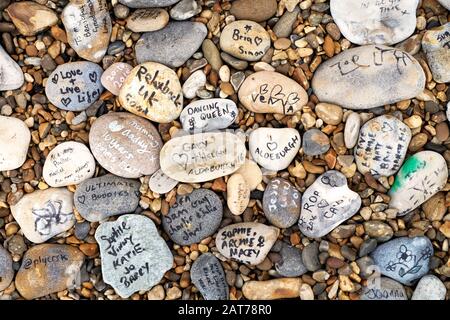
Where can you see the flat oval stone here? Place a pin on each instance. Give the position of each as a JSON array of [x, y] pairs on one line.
[[49, 268], [238, 194], [291, 264], [404, 259], [161, 183], [30, 17], [15, 138], [273, 289], [114, 77], [326, 204], [89, 27], [148, 3], [255, 10], [351, 130], [245, 39], [99, 198], [382, 146], [134, 256], [384, 74], [383, 289], [208, 115], [202, 157], [208, 277], [375, 22], [125, 145], [251, 173], [6, 269], [173, 45], [274, 149], [193, 217], [315, 142], [44, 214], [67, 164], [152, 91], [429, 287], [185, 9], [11, 75], [145, 20], [281, 203], [246, 242], [436, 45], [74, 86], [422, 176], [272, 92]]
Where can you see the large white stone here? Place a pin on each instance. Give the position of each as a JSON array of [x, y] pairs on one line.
[[14, 141], [11, 76]]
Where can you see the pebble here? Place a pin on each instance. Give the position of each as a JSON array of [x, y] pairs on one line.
[[435, 208], [125, 145], [152, 91], [12, 76], [382, 288], [274, 149], [148, 3], [114, 77], [374, 22], [429, 287], [202, 157], [329, 113], [404, 259], [161, 183], [272, 92], [15, 138], [283, 28], [310, 257], [255, 10], [195, 82], [74, 86], [212, 54], [384, 74], [99, 198], [89, 27], [283, 288], [351, 131], [252, 174], [247, 242], [208, 277], [382, 146], [421, 176], [81, 230], [49, 268], [234, 62], [44, 214], [238, 194], [291, 264], [245, 39], [6, 269], [67, 164], [134, 256], [326, 204], [146, 20], [193, 217], [315, 142], [173, 45], [30, 17], [445, 3], [281, 203], [185, 9], [435, 44], [378, 230], [208, 114]]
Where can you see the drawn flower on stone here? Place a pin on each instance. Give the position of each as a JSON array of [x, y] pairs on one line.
[[426, 253], [390, 266], [404, 254]]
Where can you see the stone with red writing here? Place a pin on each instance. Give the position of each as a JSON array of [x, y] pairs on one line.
[[6, 269], [436, 45], [11, 76], [202, 156], [281, 203], [208, 277], [238, 194], [152, 91], [272, 92], [386, 75], [274, 148], [246, 242], [245, 39], [375, 22], [30, 17], [74, 86], [193, 217], [133, 254], [89, 27], [327, 203], [382, 146], [49, 268], [161, 183], [44, 214], [15, 138], [114, 77], [383, 288], [67, 164], [145, 20], [99, 198], [125, 144]]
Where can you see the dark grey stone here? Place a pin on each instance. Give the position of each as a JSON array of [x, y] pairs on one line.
[[82, 230], [148, 3], [310, 257], [366, 266], [291, 264], [208, 276], [367, 247], [315, 142]]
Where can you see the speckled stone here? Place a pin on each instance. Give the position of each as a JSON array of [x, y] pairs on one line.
[[15, 138], [11, 76]]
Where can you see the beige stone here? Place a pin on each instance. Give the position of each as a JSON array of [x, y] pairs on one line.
[[273, 289], [145, 20], [238, 194], [251, 172], [30, 17]]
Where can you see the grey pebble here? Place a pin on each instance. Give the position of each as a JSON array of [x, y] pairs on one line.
[[234, 62], [208, 276], [283, 28], [367, 247], [315, 142], [310, 257], [291, 264], [82, 230]]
